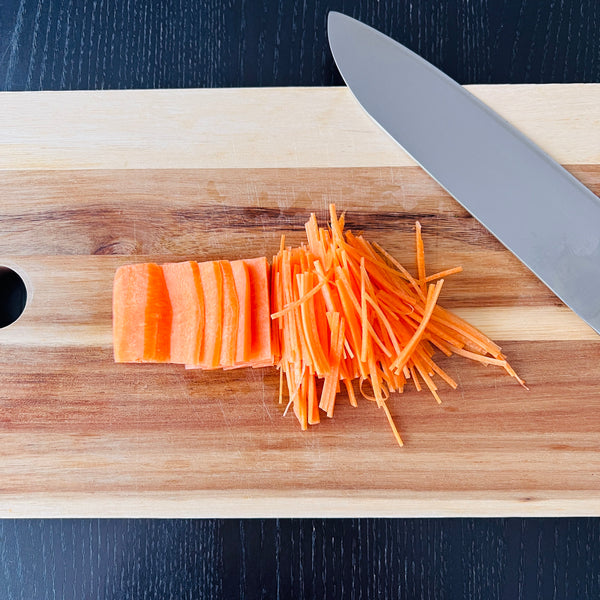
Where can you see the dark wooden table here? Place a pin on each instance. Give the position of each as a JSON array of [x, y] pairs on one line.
[[65, 44]]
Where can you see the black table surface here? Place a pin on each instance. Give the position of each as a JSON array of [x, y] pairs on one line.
[[108, 44]]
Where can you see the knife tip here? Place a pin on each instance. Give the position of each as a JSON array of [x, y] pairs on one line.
[[334, 16]]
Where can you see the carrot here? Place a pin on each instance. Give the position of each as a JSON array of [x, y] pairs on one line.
[[231, 313], [420, 257], [313, 406], [187, 302], [310, 328], [142, 314], [260, 313], [241, 278], [432, 296], [212, 285], [332, 311], [129, 302], [335, 357]]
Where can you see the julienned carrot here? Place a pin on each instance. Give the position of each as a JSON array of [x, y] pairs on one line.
[[420, 258], [336, 310], [344, 309]]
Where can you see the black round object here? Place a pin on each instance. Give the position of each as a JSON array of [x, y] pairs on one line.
[[13, 296]]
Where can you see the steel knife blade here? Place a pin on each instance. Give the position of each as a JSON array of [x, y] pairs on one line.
[[534, 206]]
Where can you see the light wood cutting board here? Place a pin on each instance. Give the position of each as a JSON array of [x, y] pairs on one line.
[[94, 180]]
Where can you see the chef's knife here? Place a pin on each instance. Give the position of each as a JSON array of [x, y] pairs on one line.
[[536, 208]]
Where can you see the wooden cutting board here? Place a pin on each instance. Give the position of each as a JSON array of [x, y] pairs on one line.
[[94, 180]]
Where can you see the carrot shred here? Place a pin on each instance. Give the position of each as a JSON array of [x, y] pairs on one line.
[[432, 296], [293, 305], [313, 405], [420, 258], [444, 273], [413, 373], [363, 313], [393, 425]]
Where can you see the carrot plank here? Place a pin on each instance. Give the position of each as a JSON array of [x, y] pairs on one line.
[[183, 284], [212, 286], [260, 312], [142, 314], [241, 278], [158, 317], [129, 300], [231, 311]]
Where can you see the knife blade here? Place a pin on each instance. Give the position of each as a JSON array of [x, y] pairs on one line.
[[534, 206]]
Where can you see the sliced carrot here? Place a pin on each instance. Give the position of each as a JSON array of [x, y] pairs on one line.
[[260, 317], [297, 303], [335, 357], [364, 317], [130, 291], [311, 330], [314, 239], [350, 391], [187, 302], [313, 405], [158, 317], [432, 296], [401, 270], [231, 313], [142, 314], [444, 273], [275, 304], [241, 278], [420, 258], [212, 285], [393, 425], [320, 312], [352, 321]]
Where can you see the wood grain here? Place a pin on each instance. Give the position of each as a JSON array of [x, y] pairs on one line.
[[82, 436], [234, 128]]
